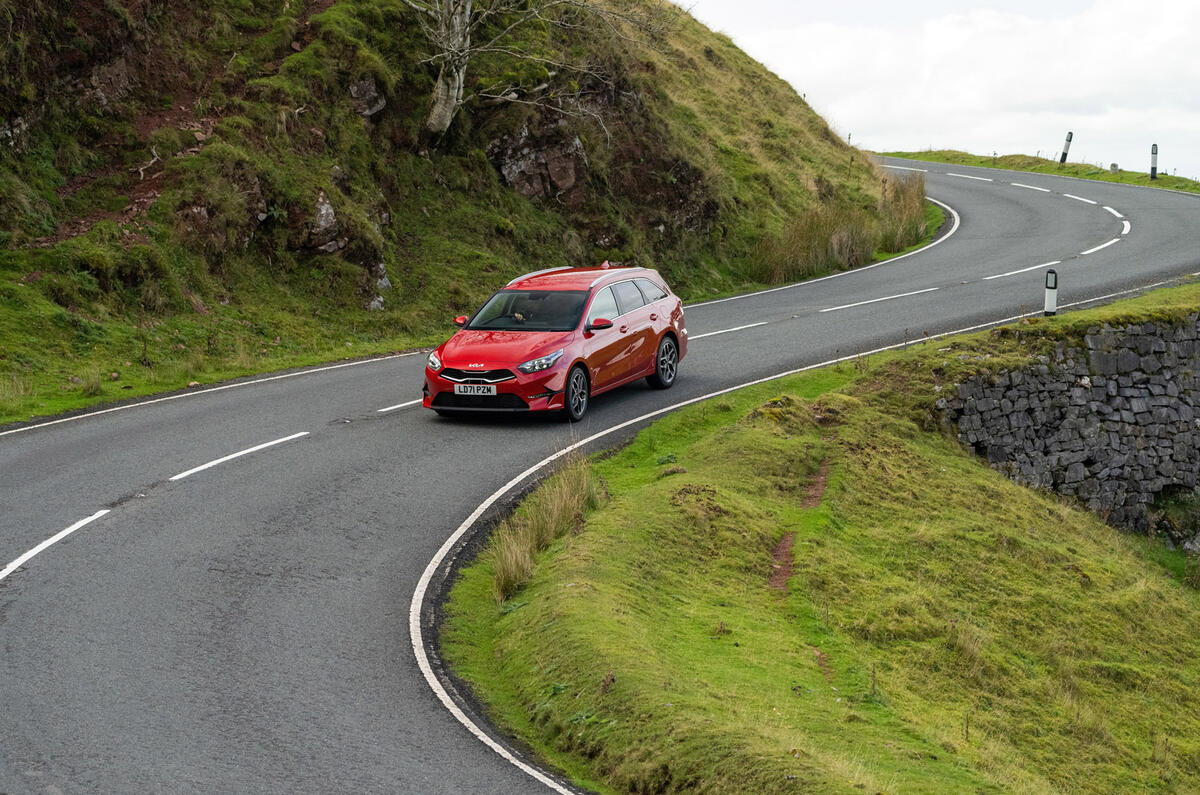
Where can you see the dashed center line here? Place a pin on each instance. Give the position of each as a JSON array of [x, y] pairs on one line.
[[49, 542], [1079, 198], [1030, 187], [1097, 248], [725, 331], [968, 176], [1114, 212], [877, 300], [906, 168], [1023, 270], [1125, 229], [400, 406], [238, 454]]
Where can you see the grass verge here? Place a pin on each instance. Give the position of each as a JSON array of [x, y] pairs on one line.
[[1041, 165], [944, 630]]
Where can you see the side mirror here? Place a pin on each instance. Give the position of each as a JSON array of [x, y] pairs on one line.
[[599, 324], [460, 321]]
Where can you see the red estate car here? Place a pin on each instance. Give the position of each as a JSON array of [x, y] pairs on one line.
[[550, 340]]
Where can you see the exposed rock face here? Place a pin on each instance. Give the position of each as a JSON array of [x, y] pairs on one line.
[[552, 165], [1113, 423], [365, 97], [323, 233]]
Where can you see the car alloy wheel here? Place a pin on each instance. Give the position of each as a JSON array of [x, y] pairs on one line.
[[666, 364], [575, 402]]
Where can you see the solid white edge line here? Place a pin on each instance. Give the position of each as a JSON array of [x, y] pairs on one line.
[[1079, 198], [238, 454], [1114, 212], [906, 168], [1031, 187], [956, 222], [877, 300], [1125, 229], [725, 331], [49, 542], [968, 176], [1022, 270], [1097, 248], [323, 369], [416, 634], [400, 406]]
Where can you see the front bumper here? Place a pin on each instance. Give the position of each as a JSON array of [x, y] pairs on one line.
[[541, 391]]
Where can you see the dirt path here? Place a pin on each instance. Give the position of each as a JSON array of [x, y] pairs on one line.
[[781, 557]]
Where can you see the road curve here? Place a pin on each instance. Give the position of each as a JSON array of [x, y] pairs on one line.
[[245, 626]]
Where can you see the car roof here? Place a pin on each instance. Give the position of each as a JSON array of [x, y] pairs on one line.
[[575, 278]]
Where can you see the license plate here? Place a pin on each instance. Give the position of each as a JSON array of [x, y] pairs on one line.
[[474, 389]]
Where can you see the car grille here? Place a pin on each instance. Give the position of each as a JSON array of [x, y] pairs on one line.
[[477, 376], [501, 402]]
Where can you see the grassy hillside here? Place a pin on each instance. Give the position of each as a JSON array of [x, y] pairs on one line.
[[933, 627], [190, 192], [1044, 166]]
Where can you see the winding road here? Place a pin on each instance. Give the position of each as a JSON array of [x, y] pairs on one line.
[[212, 592]]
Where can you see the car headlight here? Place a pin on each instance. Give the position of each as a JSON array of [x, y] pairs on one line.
[[540, 363], [433, 362]]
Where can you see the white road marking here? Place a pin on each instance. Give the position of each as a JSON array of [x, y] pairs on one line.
[[49, 542], [1031, 187], [209, 391], [877, 300], [1079, 198], [1125, 229], [1114, 212], [906, 168], [417, 634], [238, 454], [968, 176], [1023, 270], [725, 331], [400, 405], [1097, 248], [956, 222]]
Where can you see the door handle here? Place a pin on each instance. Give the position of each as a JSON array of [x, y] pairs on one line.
[[654, 316], [624, 329]]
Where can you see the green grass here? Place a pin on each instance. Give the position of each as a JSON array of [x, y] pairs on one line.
[[944, 630], [1043, 166]]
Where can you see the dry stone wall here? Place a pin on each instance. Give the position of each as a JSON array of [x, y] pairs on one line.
[[1112, 421]]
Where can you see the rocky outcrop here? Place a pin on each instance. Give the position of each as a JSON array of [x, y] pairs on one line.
[[552, 164], [1113, 421]]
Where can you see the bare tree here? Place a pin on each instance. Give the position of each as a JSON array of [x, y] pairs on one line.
[[453, 28]]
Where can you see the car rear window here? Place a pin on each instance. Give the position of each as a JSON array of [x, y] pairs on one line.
[[651, 290], [629, 297], [531, 310]]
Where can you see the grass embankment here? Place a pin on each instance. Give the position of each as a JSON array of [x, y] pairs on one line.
[[165, 234], [943, 630], [1043, 166]]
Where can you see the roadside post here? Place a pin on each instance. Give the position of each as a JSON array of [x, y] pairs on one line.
[[1066, 148], [1051, 307], [1154, 161]]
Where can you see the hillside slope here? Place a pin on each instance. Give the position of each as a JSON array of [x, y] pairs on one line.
[[196, 191]]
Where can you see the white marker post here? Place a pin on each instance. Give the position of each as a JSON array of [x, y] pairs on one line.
[[1051, 293], [1066, 148], [1154, 161]]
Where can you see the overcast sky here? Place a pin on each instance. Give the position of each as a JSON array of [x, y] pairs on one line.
[[1007, 77]]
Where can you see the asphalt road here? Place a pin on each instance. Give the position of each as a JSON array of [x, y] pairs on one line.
[[245, 628]]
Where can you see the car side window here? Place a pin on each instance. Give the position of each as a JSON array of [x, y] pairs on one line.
[[629, 297], [651, 290], [604, 305]]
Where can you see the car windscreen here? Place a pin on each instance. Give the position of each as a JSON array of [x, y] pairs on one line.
[[531, 310]]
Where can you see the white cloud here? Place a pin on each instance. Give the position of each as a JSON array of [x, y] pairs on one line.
[[1122, 75]]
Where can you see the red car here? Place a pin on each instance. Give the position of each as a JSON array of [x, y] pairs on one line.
[[550, 340]]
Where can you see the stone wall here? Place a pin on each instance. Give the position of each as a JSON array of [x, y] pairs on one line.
[[1112, 421]]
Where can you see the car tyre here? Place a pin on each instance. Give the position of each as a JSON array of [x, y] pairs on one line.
[[666, 364], [575, 401]]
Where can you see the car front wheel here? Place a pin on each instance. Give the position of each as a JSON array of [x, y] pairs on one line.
[[666, 364], [575, 399]]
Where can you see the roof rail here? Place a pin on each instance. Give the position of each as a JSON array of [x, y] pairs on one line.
[[538, 273]]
